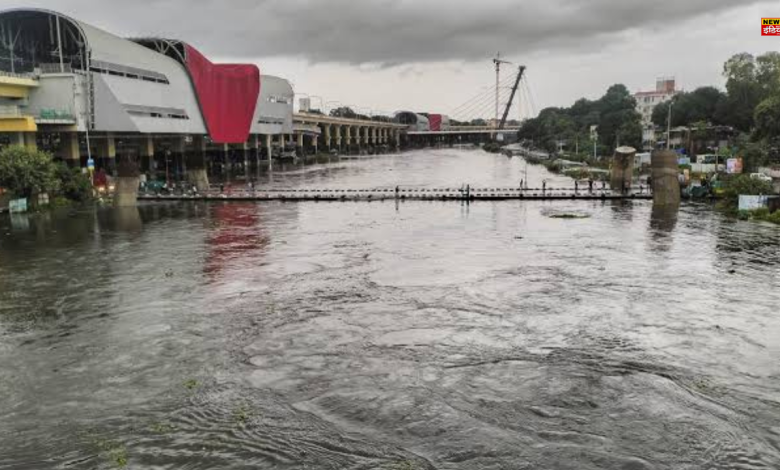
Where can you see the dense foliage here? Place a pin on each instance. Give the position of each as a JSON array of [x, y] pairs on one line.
[[26, 172], [750, 105], [745, 185], [614, 114], [703, 105], [74, 185]]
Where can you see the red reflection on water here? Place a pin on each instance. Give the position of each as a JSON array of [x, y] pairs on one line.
[[237, 237]]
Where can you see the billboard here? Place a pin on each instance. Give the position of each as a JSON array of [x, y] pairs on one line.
[[734, 166]]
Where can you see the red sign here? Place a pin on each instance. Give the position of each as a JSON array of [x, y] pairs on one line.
[[770, 26]]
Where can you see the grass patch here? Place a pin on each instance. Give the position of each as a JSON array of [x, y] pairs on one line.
[[761, 214], [114, 452], [191, 384], [241, 416], [162, 428]]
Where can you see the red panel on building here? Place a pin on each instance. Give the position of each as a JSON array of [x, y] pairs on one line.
[[227, 94], [435, 122]]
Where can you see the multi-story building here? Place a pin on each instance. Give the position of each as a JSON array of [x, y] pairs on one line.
[[79, 91], [646, 101]]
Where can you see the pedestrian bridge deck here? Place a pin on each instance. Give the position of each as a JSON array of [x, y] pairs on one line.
[[417, 194]]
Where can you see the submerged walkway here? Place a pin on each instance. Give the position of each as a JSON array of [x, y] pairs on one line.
[[404, 194]]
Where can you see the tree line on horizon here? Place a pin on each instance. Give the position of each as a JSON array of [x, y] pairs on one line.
[[750, 105]]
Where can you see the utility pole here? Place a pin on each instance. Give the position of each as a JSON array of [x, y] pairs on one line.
[[497, 61]]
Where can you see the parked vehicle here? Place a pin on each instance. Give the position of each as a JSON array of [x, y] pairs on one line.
[[761, 177]]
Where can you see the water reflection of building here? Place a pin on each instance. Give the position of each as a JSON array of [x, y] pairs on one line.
[[237, 238]]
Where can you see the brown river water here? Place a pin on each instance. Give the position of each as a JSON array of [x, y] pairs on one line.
[[393, 336]]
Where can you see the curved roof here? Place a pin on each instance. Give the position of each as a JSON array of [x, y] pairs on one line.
[[223, 97]]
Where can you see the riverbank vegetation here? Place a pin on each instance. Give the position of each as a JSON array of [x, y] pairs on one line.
[[25, 173], [743, 185], [746, 115], [614, 113]]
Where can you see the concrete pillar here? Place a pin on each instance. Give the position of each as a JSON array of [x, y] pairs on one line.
[[17, 139], [315, 142], [30, 141], [622, 169], [397, 136], [126, 191], [269, 145], [666, 186], [106, 150], [196, 163], [337, 128], [24, 139], [245, 149], [147, 146], [326, 131], [108, 147], [366, 137], [374, 135], [69, 146], [126, 185], [300, 140], [348, 136]]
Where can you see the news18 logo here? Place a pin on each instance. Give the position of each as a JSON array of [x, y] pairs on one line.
[[770, 26]]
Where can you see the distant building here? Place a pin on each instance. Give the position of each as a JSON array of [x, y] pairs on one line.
[[646, 101]]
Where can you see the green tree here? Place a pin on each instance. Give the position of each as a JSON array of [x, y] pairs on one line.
[[749, 81], [704, 104], [767, 118], [618, 120], [26, 172], [744, 185], [768, 73], [343, 111], [614, 114], [73, 184]]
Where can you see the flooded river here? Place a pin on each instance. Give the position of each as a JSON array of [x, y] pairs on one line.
[[419, 335]]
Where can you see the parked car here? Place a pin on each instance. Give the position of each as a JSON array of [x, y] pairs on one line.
[[761, 177]]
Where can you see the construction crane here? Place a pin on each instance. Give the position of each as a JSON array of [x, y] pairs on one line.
[[498, 61], [520, 73]]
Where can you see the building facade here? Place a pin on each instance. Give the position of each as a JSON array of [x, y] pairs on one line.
[[646, 101], [79, 91]]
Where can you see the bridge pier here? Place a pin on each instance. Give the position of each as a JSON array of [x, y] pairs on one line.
[[622, 169], [666, 187], [326, 132], [126, 187]]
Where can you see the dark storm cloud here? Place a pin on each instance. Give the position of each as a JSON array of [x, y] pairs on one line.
[[388, 31]]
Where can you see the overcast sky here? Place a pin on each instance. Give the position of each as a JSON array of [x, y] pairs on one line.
[[433, 55]]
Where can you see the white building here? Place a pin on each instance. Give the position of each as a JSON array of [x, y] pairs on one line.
[[646, 101], [84, 91]]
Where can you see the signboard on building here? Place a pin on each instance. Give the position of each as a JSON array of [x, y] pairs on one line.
[[734, 166]]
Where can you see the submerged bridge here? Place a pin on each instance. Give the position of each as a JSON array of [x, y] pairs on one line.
[[466, 193]]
